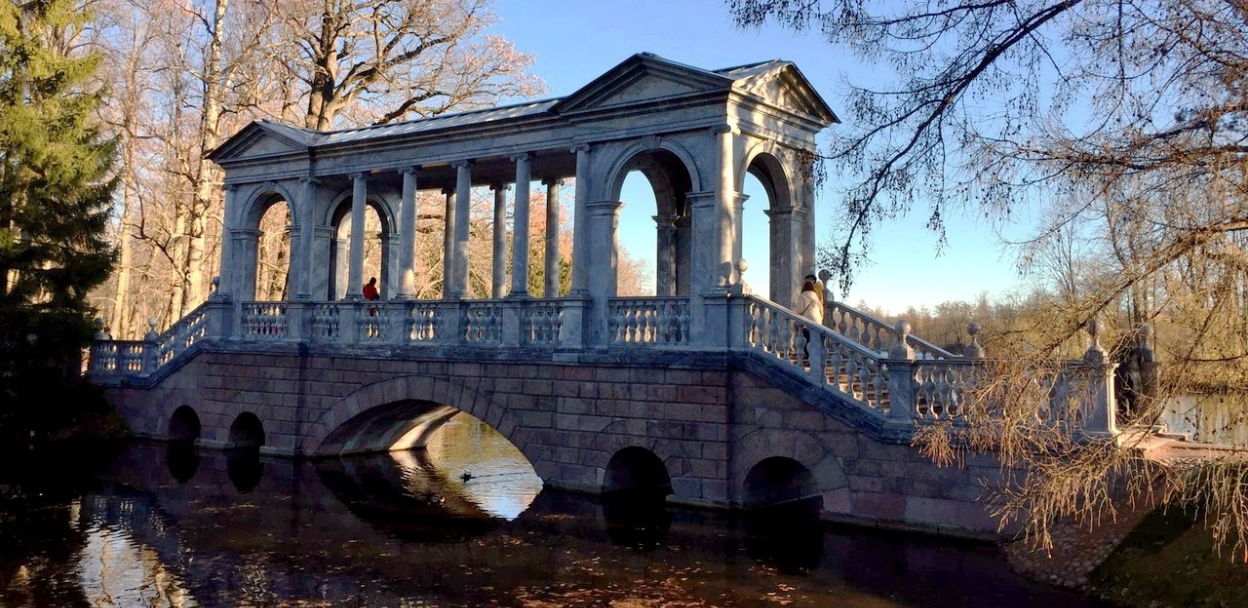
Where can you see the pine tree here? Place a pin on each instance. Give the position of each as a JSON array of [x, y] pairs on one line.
[[56, 188]]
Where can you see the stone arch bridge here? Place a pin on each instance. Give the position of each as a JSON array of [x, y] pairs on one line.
[[704, 390]]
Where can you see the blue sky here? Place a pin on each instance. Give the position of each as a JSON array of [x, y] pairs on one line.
[[575, 41]]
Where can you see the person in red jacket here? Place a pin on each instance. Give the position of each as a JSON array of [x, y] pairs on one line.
[[371, 293]]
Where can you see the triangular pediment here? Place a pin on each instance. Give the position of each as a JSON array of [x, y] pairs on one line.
[[784, 86], [643, 78], [263, 138]]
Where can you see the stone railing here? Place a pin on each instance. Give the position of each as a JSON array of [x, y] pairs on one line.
[[902, 385], [648, 321], [823, 356], [182, 335], [541, 323], [265, 320], [874, 332], [904, 389]]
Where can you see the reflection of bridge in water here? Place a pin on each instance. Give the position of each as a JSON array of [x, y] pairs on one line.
[[305, 536], [705, 390]]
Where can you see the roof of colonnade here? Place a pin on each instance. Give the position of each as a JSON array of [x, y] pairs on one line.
[[644, 83]]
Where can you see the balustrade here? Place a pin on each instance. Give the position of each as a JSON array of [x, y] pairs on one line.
[[649, 321], [541, 322], [483, 322], [903, 386], [424, 322], [265, 320], [875, 333], [941, 388]]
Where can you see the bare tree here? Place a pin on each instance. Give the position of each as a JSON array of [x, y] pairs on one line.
[[376, 61]]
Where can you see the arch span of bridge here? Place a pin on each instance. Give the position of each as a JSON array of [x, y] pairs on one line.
[[739, 400]]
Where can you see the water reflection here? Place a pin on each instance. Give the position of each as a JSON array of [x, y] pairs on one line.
[[412, 530], [788, 537], [183, 460], [244, 468], [637, 519]]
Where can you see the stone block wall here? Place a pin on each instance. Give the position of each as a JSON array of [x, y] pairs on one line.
[[709, 423]]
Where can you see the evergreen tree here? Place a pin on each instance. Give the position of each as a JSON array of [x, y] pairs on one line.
[[55, 194]]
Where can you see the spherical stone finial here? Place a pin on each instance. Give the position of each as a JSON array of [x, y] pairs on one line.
[[216, 282], [824, 275], [151, 323], [902, 349], [1096, 353], [974, 350], [99, 323], [742, 265]]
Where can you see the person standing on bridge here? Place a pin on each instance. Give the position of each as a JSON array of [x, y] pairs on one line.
[[809, 306], [371, 293]]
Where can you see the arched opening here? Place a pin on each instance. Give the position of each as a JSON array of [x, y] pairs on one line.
[[636, 469], [654, 231], [378, 235], [246, 431], [184, 425], [273, 252], [456, 461], [778, 481], [782, 527], [771, 251], [755, 236]]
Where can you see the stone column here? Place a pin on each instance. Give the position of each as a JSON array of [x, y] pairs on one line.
[[323, 244], [463, 201], [307, 222], [551, 277], [580, 228], [738, 217], [682, 246], [355, 273], [244, 254], [726, 237], [448, 244], [665, 255], [229, 270], [703, 250], [601, 236], [407, 234], [342, 285], [520, 234], [498, 265], [804, 221], [785, 277]]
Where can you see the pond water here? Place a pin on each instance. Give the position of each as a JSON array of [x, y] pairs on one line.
[[463, 523]]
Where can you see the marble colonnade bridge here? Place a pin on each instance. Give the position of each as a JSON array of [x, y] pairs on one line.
[[705, 390]]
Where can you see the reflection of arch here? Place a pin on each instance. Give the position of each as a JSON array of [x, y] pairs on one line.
[[635, 469], [671, 177], [246, 431], [405, 411], [413, 501], [184, 424], [778, 481], [182, 461], [339, 216]]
